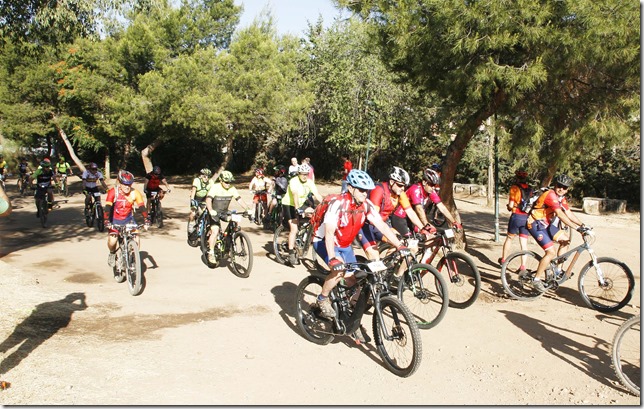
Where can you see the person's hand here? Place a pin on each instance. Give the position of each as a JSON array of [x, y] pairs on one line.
[[457, 226], [428, 230], [335, 264], [404, 250]]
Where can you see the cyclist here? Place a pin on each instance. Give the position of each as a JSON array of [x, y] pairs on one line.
[[292, 169], [217, 201], [543, 223], [3, 167], [386, 196], [62, 167], [297, 201], [153, 184], [200, 187], [518, 218], [90, 176], [420, 195], [346, 168], [45, 175], [259, 186], [119, 210], [279, 184], [25, 170], [343, 220]]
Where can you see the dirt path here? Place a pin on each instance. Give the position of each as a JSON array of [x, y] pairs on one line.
[[71, 335]]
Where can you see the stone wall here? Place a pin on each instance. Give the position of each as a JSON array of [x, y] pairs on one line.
[[470, 189], [599, 205]]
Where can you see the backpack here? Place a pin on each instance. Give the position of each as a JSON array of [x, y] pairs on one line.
[[320, 210], [528, 198]]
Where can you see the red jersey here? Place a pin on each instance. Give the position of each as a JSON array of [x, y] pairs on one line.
[[122, 204]]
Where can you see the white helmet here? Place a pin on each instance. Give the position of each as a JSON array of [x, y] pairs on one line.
[[303, 169], [399, 175]]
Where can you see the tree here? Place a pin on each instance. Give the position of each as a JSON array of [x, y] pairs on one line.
[[506, 57]]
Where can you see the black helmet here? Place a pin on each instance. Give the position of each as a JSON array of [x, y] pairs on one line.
[[156, 170], [563, 180], [432, 177]]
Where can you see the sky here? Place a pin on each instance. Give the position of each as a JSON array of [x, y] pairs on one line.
[[290, 15]]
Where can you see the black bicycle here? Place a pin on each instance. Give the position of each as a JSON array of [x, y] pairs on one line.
[[202, 224], [435, 216], [156, 210], [232, 244], [396, 334], [302, 240], [42, 203], [23, 183], [275, 217], [94, 213], [128, 259]]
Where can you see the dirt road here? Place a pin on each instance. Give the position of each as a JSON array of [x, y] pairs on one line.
[[70, 335]]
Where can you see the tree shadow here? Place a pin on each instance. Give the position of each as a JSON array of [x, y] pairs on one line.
[[43, 323], [594, 361]]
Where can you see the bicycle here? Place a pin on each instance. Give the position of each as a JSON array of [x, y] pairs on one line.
[[396, 334], [232, 244], [435, 216], [23, 183], [625, 354], [94, 213], [42, 203], [275, 218], [202, 223], [128, 259], [420, 287], [605, 284], [302, 239], [260, 206], [62, 188], [156, 210]]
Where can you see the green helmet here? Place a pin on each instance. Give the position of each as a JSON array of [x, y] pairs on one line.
[[226, 176]]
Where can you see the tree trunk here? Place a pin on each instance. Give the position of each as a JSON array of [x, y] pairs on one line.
[[146, 155], [455, 153], [68, 144], [107, 166], [228, 156]]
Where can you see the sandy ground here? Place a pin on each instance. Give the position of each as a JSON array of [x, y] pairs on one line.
[[71, 335]]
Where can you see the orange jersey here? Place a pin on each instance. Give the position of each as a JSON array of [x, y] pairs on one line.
[[387, 201], [123, 204], [545, 207]]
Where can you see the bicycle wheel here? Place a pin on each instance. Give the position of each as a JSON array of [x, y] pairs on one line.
[[44, 209], [159, 214], [617, 289], [100, 221], [118, 270], [314, 326], [424, 291], [193, 238], [280, 244], [516, 281], [205, 248], [241, 255], [462, 277], [133, 265], [92, 215], [435, 216], [626, 354], [397, 337]]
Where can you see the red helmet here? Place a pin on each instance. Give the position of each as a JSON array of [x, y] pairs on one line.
[[126, 178], [259, 171]]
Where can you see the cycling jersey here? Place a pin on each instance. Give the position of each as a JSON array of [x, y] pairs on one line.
[[348, 217], [154, 181], [299, 189], [384, 198], [122, 204], [418, 196], [62, 167], [259, 183], [544, 209], [42, 176], [201, 187], [221, 196], [515, 196], [90, 178], [22, 168]]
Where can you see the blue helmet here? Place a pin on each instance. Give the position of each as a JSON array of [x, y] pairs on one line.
[[360, 179]]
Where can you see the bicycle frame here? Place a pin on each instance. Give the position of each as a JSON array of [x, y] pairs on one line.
[[577, 251]]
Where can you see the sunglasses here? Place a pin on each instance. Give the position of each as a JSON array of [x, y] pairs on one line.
[[558, 186], [401, 185], [361, 190]]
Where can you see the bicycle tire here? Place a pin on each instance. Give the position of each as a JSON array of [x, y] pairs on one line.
[[304, 237], [241, 249], [119, 275], [43, 209], [313, 326], [88, 215], [193, 238], [436, 217], [625, 354], [462, 277], [92, 215], [424, 291], [280, 244], [615, 294], [133, 267], [401, 325], [100, 221], [159, 214], [205, 248], [517, 284]]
